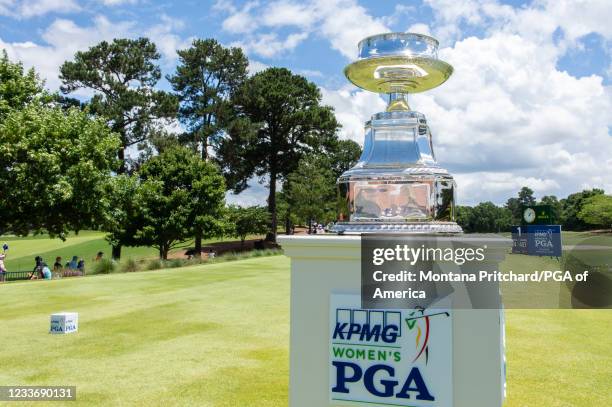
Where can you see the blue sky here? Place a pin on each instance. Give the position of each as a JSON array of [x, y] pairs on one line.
[[529, 102]]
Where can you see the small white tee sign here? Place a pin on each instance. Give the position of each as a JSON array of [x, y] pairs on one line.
[[64, 323]]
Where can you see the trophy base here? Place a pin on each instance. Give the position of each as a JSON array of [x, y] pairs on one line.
[[397, 185], [396, 228]]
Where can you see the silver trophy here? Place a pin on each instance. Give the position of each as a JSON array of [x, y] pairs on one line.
[[397, 186]]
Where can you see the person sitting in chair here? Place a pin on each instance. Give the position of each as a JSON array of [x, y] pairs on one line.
[[37, 271], [46, 272], [73, 264]]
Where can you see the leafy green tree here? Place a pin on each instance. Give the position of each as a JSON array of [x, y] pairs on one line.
[[515, 208], [251, 220], [121, 212], [311, 190], [17, 87], [571, 207], [516, 205], [280, 118], [486, 217], [53, 168], [525, 196], [343, 155], [464, 217], [503, 220], [122, 75], [597, 211], [66, 102], [285, 211], [179, 195], [159, 141], [554, 204], [207, 75]]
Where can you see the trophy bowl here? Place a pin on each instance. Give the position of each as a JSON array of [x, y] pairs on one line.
[[398, 63]]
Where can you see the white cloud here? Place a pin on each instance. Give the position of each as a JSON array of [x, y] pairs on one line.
[[256, 66], [352, 108], [61, 40], [399, 12], [536, 22], [255, 194], [485, 186], [34, 8], [419, 28], [313, 73], [286, 13], [342, 22], [240, 21], [167, 40], [6, 7], [269, 45]]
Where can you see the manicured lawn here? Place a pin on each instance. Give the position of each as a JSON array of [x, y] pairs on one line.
[[214, 335], [218, 335]]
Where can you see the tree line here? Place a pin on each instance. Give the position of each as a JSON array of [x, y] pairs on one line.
[[589, 209], [111, 163]]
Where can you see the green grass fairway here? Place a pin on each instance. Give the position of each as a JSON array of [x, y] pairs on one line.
[[217, 335], [214, 335]]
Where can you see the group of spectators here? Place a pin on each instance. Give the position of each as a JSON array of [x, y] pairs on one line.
[[317, 228], [74, 267]]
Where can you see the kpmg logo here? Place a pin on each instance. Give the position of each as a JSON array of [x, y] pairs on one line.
[[367, 326], [383, 356]]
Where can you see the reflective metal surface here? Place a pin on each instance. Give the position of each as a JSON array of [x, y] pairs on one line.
[[397, 186], [398, 62], [399, 43]]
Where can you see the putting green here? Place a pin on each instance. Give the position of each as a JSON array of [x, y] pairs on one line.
[[218, 335]]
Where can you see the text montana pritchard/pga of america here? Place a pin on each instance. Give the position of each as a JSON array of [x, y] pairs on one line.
[[404, 255]]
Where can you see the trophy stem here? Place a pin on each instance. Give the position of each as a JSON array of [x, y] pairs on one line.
[[398, 102]]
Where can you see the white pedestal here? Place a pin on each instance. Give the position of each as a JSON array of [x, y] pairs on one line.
[[64, 323], [330, 264]]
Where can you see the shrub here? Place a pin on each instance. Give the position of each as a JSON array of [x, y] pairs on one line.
[[230, 256], [104, 266], [173, 263], [129, 266], [154, 265]]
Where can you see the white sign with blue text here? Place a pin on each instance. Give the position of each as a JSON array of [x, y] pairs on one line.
[[64, 323], [389, 357]]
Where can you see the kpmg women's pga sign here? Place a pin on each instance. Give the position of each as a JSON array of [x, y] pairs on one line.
[[537, 240], [394, 357]]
